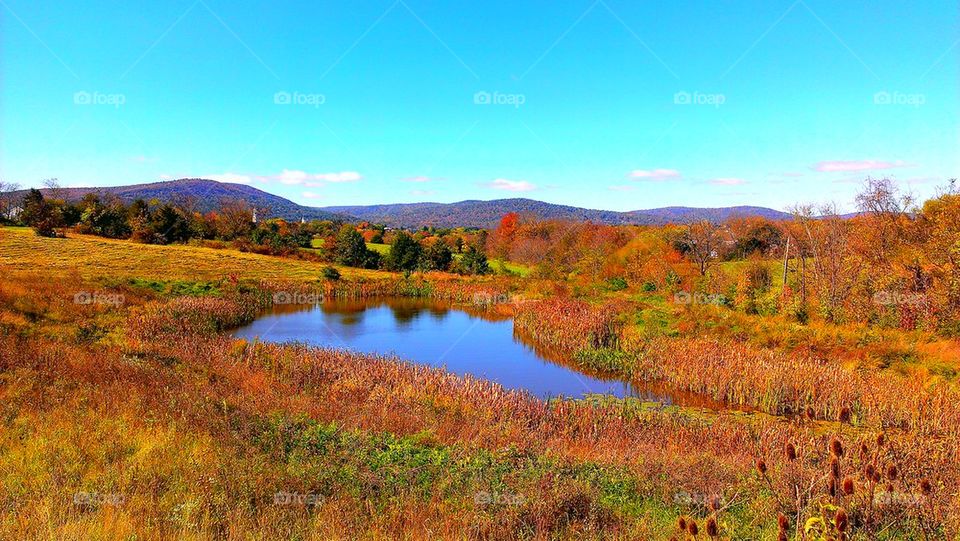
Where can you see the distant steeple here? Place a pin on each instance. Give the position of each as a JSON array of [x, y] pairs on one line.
[[254, 215], [303, 220]]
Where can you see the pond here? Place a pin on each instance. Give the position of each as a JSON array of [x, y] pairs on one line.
[[444, 335]]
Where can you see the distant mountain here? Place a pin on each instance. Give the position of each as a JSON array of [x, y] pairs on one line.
[[474, 213], [206, 195]]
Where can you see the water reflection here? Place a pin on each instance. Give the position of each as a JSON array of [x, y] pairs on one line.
[[463, 339]]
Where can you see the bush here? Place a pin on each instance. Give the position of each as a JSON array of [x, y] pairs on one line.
[[331, 273]]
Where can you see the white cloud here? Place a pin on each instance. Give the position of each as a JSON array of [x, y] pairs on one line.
[[857, 165], [421, 178], [312, 195], [655, 174], [727, 181], [511, 185], [621, 188], [288, 176], [422, 192], [234, 178]]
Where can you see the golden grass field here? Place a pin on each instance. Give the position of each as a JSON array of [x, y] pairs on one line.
[[143, 420]]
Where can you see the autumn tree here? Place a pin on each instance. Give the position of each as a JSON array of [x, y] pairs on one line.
[[703, 243]]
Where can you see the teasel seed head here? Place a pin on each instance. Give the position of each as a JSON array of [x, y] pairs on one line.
[[712, 529], [810, 413], [844, 416], [892, 472], [682, 524], [925, 487], [841, 520], [835, 468], [791, 452], [762, 467], [714, 503], [832, 487], [870, 472], [848, 486], [881, 439], [782, 522], [836, 448], [692, 528]]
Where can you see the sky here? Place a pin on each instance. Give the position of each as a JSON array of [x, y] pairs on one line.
[[609, 104]]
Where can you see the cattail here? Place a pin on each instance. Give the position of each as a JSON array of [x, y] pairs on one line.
[[844, 416], [692, 528], [762, 467], [848, 486], [892, 472], [835, 468], [836, 447], [925, 487], [791, 452], [712, 529], [682, 524], [841, 521]]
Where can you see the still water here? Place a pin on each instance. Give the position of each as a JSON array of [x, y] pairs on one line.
[[442, 335]]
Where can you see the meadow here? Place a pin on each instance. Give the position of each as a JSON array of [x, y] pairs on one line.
[[131, 414]]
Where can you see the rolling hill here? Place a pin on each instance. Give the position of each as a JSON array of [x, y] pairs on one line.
[[475, 213], [205, 195]]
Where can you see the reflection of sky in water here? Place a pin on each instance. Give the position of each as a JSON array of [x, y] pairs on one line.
[[429, 333]]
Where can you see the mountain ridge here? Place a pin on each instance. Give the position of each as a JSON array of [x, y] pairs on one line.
[[206, 195]]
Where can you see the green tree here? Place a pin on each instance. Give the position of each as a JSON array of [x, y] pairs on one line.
[[438, 256], [474, 262], [405, 253], [350, 250], [38, 213]]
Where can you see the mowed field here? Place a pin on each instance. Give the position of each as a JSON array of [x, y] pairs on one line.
[[22, 250]]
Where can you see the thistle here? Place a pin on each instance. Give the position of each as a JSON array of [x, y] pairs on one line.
[[791, 452]]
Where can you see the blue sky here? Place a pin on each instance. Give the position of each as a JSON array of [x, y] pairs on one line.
[[599, 103]]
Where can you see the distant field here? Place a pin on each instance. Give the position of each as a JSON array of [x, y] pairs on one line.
[[22, 250]]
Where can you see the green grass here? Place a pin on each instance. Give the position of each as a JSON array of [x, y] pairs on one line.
[[382, 249]]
